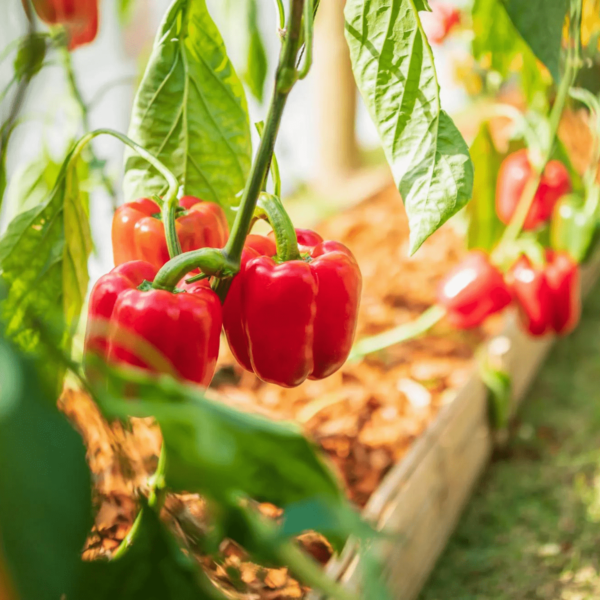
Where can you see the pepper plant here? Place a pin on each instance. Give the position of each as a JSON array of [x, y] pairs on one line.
[[186, 262]]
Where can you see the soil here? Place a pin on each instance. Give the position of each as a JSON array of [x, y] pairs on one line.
[[365, 417]]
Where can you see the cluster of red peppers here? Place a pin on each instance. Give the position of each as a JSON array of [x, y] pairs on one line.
[[78, 17], [546, 292], [290, 312]]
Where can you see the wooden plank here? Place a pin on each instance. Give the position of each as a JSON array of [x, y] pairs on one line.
[[422, 497]]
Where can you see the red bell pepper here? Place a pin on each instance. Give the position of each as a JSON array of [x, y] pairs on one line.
[[473, 291], [138, 232], [438, 23], [131, 323], [295, 319], [515, 172], [79, 18], [548, 297]]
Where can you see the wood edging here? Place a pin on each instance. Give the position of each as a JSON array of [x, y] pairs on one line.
[[419, 502]]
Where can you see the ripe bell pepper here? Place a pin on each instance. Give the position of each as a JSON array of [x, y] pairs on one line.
[[548, 296], [79, 17], [138, 232], [296, 319], [473, 291], [515, 172], [129, 322]]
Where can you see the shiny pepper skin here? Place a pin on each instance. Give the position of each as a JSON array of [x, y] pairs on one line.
[[515, 172], [156, 330], [473, 291], [294, 320], [138, 233], [548, 297], [79, 17]]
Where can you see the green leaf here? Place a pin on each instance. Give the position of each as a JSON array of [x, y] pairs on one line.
[[30, 56], [45, 487], [43, 258], [31, 183], [256, 61], [540, 23], [499, 386], [394, 69], [124, 10], [216, 450], [153, 568], [485, 228], [498, 44], [190, 112]]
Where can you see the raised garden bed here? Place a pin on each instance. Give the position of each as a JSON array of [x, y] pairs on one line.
[[407, 429]]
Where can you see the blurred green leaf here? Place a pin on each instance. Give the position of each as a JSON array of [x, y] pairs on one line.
[[43, 258], [152, 568], [256, 57], [31, 183], [485, 228], [499, 385], [395, 72], [218, 451], [30, 56], [190, 112], [125, 10], [499, 46], [45, 487], [540, 23]]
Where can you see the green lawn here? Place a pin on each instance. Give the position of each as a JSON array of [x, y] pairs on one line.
[[532, 529]]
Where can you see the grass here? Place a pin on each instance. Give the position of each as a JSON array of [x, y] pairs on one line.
[[532, 529]]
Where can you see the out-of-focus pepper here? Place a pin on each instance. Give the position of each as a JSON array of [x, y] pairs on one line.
[[515, 172], [138, 232], [290, 320], [473, 291], [438, 23], [129, 322], [573, 226], [548, 296], [79, 18]]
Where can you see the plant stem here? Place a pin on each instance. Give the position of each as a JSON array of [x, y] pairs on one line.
[[285, 78], [515, 226], [270, 208], [156, 499], [85, 119], [399, 334], [281, 13], [173, 184], [308, 38]]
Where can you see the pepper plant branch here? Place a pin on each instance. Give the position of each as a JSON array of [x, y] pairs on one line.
[[402, 333], [285, 78], [85, 119], [515, 226]]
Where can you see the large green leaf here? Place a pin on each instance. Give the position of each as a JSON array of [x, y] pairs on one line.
[[394, 69], [153, 568], [190, 112], [540, 23], [484, 226], [45, 487], [43, 262]]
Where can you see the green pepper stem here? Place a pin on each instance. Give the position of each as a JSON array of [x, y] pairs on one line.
[[402, 333], [212, 261], [308, 38], [285, 78], [271, 209], [173, 185]]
